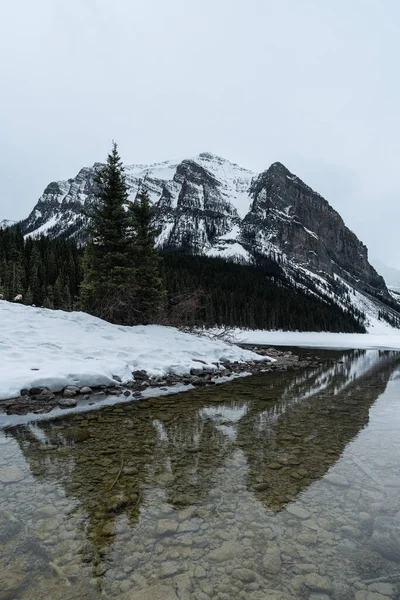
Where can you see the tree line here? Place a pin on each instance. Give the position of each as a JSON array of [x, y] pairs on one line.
[[120, 277]]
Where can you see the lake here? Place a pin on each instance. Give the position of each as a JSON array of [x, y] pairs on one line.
[[272, 487]]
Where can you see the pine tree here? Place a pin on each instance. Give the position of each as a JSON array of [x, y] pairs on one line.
[[108, 289], [150, 292]]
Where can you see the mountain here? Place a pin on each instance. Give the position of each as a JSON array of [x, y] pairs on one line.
[[390, 275], [6, 223], [210, 206]]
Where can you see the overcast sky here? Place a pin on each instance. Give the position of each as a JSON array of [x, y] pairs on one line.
[[312, 83]]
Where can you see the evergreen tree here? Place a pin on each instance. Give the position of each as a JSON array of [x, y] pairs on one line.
[[150, 292], [108, 288]]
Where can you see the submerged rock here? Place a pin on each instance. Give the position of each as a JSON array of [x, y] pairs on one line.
[[386, 536], [10, 474], [336, 479]]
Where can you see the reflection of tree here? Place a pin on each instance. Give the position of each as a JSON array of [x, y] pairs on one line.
[[101, 460], [298, 437], [108, 460]]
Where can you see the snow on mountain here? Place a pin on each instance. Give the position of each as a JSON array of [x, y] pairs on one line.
[[209, 205], [6, 223]]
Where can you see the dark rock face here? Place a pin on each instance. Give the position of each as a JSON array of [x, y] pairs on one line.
[[208, 205], [290, 217]]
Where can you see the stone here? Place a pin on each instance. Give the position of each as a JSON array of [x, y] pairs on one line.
[[274, 465], [350, 531], [297, 511], [245, 575], [140, 375], [35, 391], [366, 595], [11, 474], [153, 592], [69, 393], [336, 479], [169, 568], [46, 511], [272, 561], [12, 580], [9, 526], [386, 589], [224, 552], [85, 390], [386, 537], [166, 526], [316, 582], [67, 402], [192, 525]]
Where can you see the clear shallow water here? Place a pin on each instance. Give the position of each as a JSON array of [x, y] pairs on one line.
[[278, 486]]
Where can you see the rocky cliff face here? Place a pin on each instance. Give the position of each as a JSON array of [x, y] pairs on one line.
[[211, 206], [289, 217]]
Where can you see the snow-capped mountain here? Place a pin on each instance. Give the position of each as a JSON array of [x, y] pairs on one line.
[[4, 223], [212, 206]]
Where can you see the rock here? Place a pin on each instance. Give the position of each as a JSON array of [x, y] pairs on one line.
[[350, 531], [224, 552], [67, 402], [9, 526], [153, 592], [192, 525], [386, 537], [245, 575], [44, 395], [12, 580], [169, 568], [46, 511], [166, 526], [117, 378], [85, 390], [69, 393], [386, 589], [140, 376], [274, 465], [35, 391], [272, 561], [11, 474], [316, 582], [297, 511], [197, 372], [336, 479], [366, 595]]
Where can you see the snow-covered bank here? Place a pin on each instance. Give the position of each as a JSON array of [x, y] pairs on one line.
[[340, 341], [41, 347]]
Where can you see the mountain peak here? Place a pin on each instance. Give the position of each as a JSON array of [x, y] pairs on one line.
[[209, 205]]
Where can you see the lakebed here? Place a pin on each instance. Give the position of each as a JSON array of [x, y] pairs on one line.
[[278, 486]]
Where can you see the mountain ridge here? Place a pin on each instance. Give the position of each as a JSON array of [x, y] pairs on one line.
[[209, 205]]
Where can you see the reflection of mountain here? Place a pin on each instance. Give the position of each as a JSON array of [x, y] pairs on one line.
[[297, 438], [118, 465]]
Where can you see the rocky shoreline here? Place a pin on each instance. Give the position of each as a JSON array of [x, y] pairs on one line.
[[38, 400]]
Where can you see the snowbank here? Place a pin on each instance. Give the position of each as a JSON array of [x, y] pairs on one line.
[[41, 347], [390, 340]]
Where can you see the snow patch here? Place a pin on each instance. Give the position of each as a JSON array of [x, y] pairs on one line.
[[42, 347]]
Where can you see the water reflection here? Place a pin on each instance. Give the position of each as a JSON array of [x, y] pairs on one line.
[[139, 487]]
